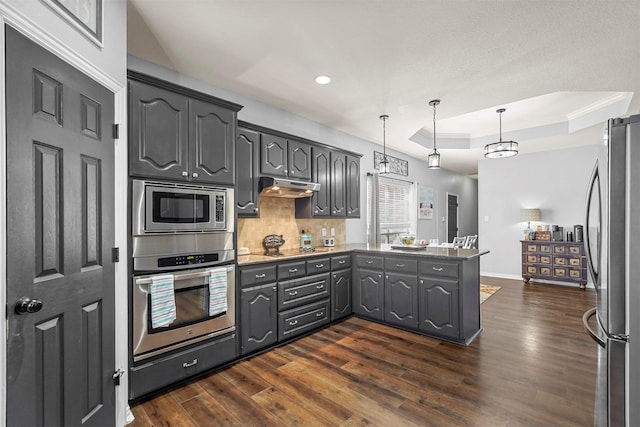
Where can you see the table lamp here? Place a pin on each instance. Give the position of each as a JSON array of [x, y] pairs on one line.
[[529, 215]]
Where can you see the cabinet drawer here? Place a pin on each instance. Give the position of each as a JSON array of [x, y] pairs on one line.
[[178, 366], [575, 274], [575, 250], [575, 262], [401, 265], [559, 249], [257, 275], [545, 259], [545, 249], [560, 272], [340, 262], [290, 270], [318, 265], [295, 292], [545, 271], [371, 262], [532, 269], [299, 320], [438, 268], [532, 259], [560, 261], [532, 248]]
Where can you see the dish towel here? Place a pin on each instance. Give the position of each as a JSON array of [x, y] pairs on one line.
[[163, 302], [217, 291]]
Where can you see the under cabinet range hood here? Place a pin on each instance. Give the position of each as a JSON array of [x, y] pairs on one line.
[[286, 188]]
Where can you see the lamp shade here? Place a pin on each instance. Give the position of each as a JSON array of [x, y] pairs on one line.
[[530, 215]]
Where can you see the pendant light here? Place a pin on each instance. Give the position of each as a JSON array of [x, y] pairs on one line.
[[433, 159], [384, 167], [500, 149]]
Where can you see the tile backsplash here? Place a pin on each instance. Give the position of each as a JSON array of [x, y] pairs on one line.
[[277, 216]]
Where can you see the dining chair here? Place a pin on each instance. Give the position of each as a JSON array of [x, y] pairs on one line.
[[470, 241]]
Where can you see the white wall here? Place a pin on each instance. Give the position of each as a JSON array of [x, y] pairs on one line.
[[554, 181], [442, 181]]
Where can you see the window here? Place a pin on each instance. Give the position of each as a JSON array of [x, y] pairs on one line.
[[395, 209]]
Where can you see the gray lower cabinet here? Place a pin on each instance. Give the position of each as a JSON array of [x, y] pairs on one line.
[[258, 317], [439, 311], [401, 299], [368, 286], [340, 294], [304, 304], [302, 319], [154, 375]]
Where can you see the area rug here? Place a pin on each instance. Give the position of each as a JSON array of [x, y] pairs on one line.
[[486, 291]]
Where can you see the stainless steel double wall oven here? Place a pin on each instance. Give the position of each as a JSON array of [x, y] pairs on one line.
[[184, 230]]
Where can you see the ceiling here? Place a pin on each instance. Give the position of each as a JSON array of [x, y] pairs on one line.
[[559, 68]]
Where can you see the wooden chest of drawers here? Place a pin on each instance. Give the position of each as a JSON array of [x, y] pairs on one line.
[[559, 261]]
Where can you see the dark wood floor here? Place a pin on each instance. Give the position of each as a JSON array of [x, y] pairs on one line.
[[533, 365]]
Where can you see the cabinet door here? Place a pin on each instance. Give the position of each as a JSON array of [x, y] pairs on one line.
[[299, 160], [338, 195], [340, 294], [401, 299], [157, 132], [259, 317], [273, 155], [438, 307], [212, 132], [368, 293], [321, 174], [353, 187], [247, 145]]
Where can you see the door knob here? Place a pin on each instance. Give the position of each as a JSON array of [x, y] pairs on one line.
[[27, 305]]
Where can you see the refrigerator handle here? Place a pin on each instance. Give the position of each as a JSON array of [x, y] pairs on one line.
[[585, 322], [593, 186]]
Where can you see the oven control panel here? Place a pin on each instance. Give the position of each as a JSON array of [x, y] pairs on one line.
[[177, 261]]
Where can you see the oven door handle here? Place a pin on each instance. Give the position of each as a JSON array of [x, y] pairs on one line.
[[177, 277]]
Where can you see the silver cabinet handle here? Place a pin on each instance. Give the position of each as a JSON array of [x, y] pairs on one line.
[[348, 211], [189, 364], [399, 265], [293, 293], [320, 314], [421, 282], [255, 209], [319, 265], [195, 174], [342, 262], [261, 276], [437, 268], [369, 262], [319, 286], [185, 174], [293, 323], [316, 211], [379, 276], [293, 270]]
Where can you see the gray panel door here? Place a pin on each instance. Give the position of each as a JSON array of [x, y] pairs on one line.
[[247, 145], [338, 185], [452, 217], [353, 186], [60, 197]]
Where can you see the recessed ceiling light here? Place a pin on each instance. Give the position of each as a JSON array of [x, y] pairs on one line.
[[323, 80]]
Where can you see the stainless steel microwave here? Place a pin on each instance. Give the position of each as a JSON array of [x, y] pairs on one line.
[[162, 207]]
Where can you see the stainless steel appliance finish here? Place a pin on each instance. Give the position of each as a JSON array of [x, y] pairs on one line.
[[193, 323], [286, 188], [164, 207], [611, 235]]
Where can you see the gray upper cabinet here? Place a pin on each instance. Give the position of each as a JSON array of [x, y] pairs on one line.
[[179, 134], [338, 197], [247, 146], [353, 186], [286, 158], [317, 205]]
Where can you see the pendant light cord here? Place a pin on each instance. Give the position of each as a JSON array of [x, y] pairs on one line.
[[434, 125]]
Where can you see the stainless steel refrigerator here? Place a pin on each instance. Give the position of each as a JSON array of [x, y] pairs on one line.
[[612, 242]]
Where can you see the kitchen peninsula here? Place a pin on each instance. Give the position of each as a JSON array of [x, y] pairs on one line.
[[433, 291]]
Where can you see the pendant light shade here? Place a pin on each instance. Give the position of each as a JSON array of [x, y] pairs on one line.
[[500, 149], [383, 167], [433, 160]]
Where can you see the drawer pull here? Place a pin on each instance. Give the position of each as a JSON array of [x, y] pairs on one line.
[[261, 276], [437, 268], [293, 270], [319, 265], [342, 262], [400, 265], [369, 261], [190, 364], [293, 293], [293, 323], [319, 286], [320, 314]]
